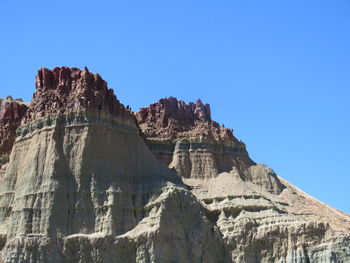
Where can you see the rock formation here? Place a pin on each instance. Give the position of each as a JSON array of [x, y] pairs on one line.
[[11, 114], [89, 181], [186, 138]]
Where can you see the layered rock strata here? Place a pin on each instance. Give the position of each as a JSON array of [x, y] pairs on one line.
[[81, 185], [185, 138], [261, 217], [258, 226]]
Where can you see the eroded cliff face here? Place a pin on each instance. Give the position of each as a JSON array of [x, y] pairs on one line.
[[81, 183], [89, 181], [184, 137], [11, 114], [261, 217]]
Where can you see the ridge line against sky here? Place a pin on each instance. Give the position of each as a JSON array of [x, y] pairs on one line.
[[276, 72]]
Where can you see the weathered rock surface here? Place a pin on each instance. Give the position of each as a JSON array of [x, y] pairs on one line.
[[63, 90], [171, 118], [186, 138], [258, 226], [11, 114], [81, 185]]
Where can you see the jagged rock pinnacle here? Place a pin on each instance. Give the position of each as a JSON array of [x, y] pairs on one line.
[[11, 114], [64, 89], [82, 185], [172, 118]]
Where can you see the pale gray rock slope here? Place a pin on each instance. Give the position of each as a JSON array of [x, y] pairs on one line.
[[81, 185], [184, 137]]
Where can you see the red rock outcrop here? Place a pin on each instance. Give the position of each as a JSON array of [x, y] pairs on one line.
[[82, 186], [11, 114], [173, 119], [183, 136], [64, 89]]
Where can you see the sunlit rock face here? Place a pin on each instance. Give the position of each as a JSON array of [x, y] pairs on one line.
[[87, 180], [184, 137], [11, 113]]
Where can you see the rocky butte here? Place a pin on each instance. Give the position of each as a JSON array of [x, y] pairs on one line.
[[84, 180]]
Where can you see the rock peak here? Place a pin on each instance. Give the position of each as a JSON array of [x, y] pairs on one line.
[[81, 185], [172, 118], [64, 89], [178, 109], [11, 113], [64, 78]]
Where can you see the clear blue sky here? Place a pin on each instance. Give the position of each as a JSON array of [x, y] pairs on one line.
[[277, 72]]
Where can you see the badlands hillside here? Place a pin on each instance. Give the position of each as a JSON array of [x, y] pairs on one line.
[[85, 180]]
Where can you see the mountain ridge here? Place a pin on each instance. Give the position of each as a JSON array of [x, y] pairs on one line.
[[87, 180]]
